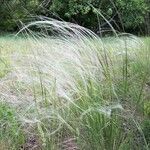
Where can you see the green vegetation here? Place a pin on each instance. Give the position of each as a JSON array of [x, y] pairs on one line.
[[11, 134], [125, 15], [74, 90]]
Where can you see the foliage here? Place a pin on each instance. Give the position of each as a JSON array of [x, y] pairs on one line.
[[132, 12], [12, 12], [122, 14]]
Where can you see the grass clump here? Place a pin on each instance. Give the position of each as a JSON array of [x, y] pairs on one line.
[[11, 134], [76, 91]]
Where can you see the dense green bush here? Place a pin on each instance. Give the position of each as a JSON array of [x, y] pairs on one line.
[[122, 14]]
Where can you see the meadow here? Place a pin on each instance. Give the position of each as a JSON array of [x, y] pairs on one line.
[[74, 90]]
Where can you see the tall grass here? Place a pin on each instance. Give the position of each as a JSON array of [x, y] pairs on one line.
[[73, 90]]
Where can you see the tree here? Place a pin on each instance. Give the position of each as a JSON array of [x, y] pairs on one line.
[[124, 15], [14, 11], [132, 13], [81, 11]]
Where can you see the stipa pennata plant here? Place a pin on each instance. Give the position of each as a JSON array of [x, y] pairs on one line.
[[56, 67], [68, 84]]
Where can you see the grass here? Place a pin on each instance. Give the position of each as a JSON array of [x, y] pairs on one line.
[[74, 90], [11, 130]]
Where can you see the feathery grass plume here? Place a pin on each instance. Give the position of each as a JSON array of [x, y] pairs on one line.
[[53, 70], [58, 65], [64, 78]]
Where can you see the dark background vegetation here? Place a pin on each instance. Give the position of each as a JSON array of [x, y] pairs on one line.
[[131, 16]]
